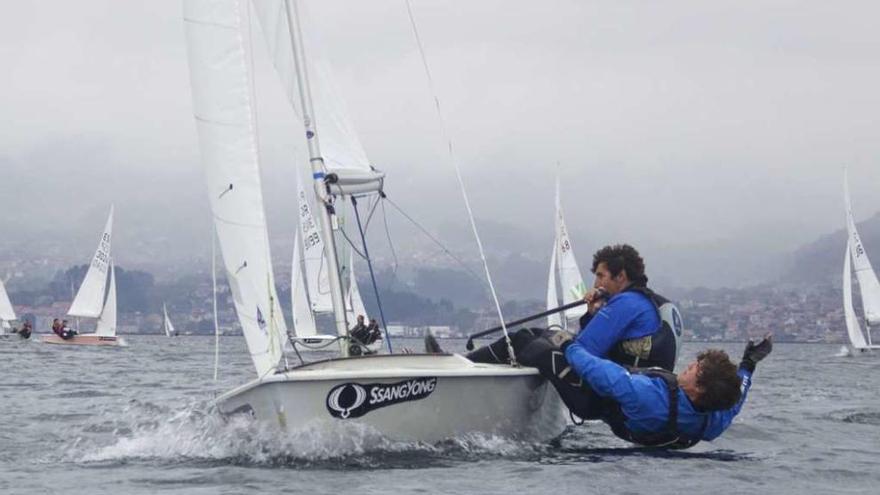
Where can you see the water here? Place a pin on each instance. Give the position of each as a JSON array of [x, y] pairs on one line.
[[138, 420]]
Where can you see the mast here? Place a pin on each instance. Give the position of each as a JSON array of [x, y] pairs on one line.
[[326, 217]]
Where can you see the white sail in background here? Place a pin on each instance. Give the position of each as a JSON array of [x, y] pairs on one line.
[[7, 314], [354, 305], [853, 328], [107, 322], [166, 322], [316, 273], [303, 319], [552, 297], [222, 93], [89, 300], [340, 147], [572, 286], [869, 286]]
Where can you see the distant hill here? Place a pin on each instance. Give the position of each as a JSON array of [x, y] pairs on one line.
[[821, 261]]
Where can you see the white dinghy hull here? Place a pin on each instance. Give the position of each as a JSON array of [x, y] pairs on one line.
[[405, 397]]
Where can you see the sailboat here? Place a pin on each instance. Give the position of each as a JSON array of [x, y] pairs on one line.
[[869, 287], [166, 323], [417, 397], [96, 297], [7, 313], [565, 273]]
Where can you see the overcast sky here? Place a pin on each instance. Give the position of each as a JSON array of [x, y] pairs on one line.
[[677, 124]]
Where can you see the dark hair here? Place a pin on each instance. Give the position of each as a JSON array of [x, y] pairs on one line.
[[622, 257], [718, 381]]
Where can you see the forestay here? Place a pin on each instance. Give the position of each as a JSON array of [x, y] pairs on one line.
[[107, 322], [869, 286], [89, 300], [222, 95], [853, 328], [341, 149]]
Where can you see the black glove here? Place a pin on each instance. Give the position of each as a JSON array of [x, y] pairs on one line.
[[755, 353]]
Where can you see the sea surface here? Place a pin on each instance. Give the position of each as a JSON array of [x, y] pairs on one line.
[[138, 420]]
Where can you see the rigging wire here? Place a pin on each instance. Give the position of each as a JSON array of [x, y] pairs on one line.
[[464, 195], [357, 216]]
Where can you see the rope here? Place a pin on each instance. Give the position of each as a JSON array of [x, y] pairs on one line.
[[438, 243], [214, 285], [464, 195], [357, 216]]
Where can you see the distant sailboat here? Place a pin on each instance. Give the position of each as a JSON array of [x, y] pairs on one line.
[[869, 287], [166, 323], [7, 314], [565, 273], [96, 297]]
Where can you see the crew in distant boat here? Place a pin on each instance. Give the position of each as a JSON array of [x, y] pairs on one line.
[[56, 327], [653, 407], [373, 332], [67, 333], [25, 330], [626, 322]]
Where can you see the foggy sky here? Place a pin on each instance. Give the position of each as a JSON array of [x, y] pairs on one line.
[[681, 127]]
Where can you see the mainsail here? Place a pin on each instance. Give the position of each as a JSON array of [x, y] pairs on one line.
[[303, 319], [341, 149], [553, 319], [853, 328], [222, 93], [7, 314], [89, 300], [313, 256], [107, 322], [354, 305], [166, 322], [569, 275], [869, 286]]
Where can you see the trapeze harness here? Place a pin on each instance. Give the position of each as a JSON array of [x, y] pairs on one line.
[[671, 437], [664, 343]]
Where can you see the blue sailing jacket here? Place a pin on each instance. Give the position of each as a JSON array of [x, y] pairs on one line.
[[626, 315], [644, 400]]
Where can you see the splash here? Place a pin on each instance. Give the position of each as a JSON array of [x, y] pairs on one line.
[[197, 434]]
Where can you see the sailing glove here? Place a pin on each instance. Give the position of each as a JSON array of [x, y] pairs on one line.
[[755, 353]]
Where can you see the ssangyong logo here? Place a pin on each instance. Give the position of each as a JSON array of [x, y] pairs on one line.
[[353, 400]]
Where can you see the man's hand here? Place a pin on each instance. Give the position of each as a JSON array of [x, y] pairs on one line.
[[595, 298], [754, 353]]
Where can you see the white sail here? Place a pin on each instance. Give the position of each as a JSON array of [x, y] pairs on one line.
[[107, 321], [316, 271], [354, 304], [869, 286], [853, 328], [222, 93], [570, 280], [303, 319], [89, 300], [7, 314], [166, 322], [552, 297], [340, 147]]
